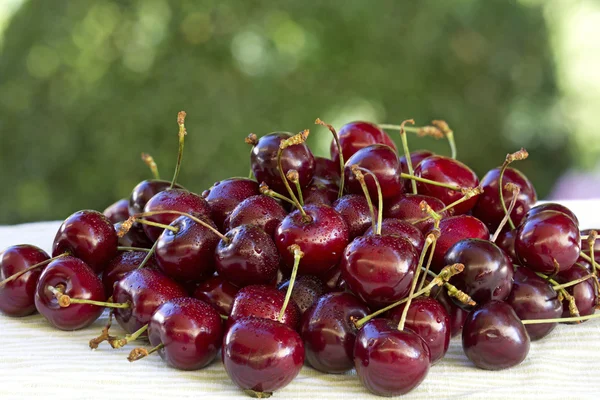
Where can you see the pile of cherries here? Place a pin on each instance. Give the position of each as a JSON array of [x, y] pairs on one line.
[[368, 260]]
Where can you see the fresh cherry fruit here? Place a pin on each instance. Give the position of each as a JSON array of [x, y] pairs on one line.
[[449, 171], [429, 319], [552, 207], [145, 290], [121, 265], [173, 200], [489, 208], [326, 170], [75, 279], [506, 241], [217, 292], [333, 280], [89, 236], [494, 338], [548, 242], [144, 191], [263, 301], [415, 157], [396, 227], [328, 332], [457, 315], [17, 296], [135, 236], [225, 195], [263, 161], [320, 192], [407, 208], [354, 209], [390, 362], [383, 162], [379, 269], [357, 135], [307, 290], [262, 211], [322, 239], [249, 257], [534, 298], [585, 293], [262, 355], [453, 230], [189, 330], [188, 254], [488, 273], [118, 211]]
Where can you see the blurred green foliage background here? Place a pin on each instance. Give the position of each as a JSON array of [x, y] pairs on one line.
[[86, 86]]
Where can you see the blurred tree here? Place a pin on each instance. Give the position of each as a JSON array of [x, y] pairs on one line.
[[86, 86]]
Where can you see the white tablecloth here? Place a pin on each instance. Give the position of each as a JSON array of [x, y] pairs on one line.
[[37, 361]]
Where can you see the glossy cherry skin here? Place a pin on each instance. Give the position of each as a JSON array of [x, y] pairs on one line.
[[506, 241], [329, 333], [585, 293], [80, 282], [263, 161], [190, 331], [320, 192], [407, 208], [145, 289], [144, 191], [263, 301], [326, 170], [135, 236], [382, 161], [118, 211], [333, 280], [415, 157], [396, 227], [379, 269], [17, 296], [457, 315], [488, 273], [390, 362], [357, 135], [322, 239], [494, 338], [262, 355], [217, 292], [89, 236], [121, 265], [249, 257], [552, 207], [354, 208], [489, 208], [307, 290], [447, 170], [429, 319], [534, 298], [547, 241], [262, 211], [225, 195]]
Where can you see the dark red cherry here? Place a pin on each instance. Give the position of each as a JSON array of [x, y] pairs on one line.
[[354, 208], [17, 296], [329, 333], [145, 290], [449, 171], [429, 319], [534, 298], [552, 207], [135, 236], [217, 292], [457, 315], [407, 208], [488, 273], [189, 330], [262, 355], [326, 170], [333, 280], [322, 239], [144, 191], [307, 290], [78, 281], [262, 211], [382, 161], [379, 269], [489, 208], [121, 265], [89, 236], [225, 195], [506, 241], [173, 200], [118, 211], [264, 161], [415, 157], [320, 192], [263, 301], [396, 227], [357, 135], [494, 338], [390, 362], [585, 293], [548, 242]]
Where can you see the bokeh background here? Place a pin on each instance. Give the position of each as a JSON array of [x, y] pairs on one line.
[[87, 85]]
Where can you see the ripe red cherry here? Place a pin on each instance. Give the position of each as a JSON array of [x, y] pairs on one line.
[[390, 362], [396, 227], [306, 291], [449, 171], [89, 236], [144, 191], [585, 293], [379, 269], [552, 207], [333, 280], [382, 161], [494, 338], [506, 241], [354, 209], [262, 211], [118, 211], [225, 195], [357, 135], [320, 192], [326, 170], [17, 296], [121, 265], [190, 331], [263, 301], [407, 208], [78, 281], [415, 157], [135, 236], [217, 292], [457, 315], [548, 242]]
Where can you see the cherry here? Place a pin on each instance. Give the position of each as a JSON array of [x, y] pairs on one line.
[[548, 242], [382, 161], [396, 227], [306, 291], [326, 170], [333, 280], [225, 195], [121, 265], [552, 207], [407, 208], [506, 241], [135, 236], [89, 236], [354, 209], [217, 292], [118, 211], [390, 362], [144, 191], [17, 296], [262, 211], [585, 292], [457, 315], [416, 157], [74, 278], [494, 338], [450, 172], [357, 135], [320, 192]]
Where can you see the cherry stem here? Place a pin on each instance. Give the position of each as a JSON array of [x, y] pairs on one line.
[[455, 292], [436, 232], [294, 140], [468, 194], [94, 343], [148, 256], [64, 300], [339, 147], [573, 310], [182, 132], [361, 179], [156, 224], [430, 182], [149, 160], [252, 140], [591, 239], [404, 140], [443, 126], [117, 343], [553, 320], [510, 158], [129, 248], [28, 269], [437, 130], [292, 176], [379, 196], [188, 215], [264, 189], [298, 254], [139, 352], [573, 282], [515, 191]]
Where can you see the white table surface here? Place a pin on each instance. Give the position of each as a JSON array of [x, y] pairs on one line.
[[37, 361]]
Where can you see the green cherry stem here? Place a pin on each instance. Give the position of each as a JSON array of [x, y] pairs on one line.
[[430, 182], [149, 161], [129, 248], [182, 132], [251, 140], [404, 140], [293, 176], [510, 158], [573, 282], [361, 179], [298, 254], [148, 256], [573, 310], [264, 189], [379, 196], [64, 300], [139, 352], [591, 239], [184, 214], [553, 320], [28, 269], [339, 147], [292, 141], [117, 343], [515, 191], [468, 194]]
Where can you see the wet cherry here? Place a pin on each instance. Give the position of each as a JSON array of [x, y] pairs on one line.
[[382, 161], [354, 208], [306, 291], [396, 227], [357, 135], [121, 265], [585, 293], [416, 157], [225, 195], [217, 292], [262, 211], [552, 207], [407, 208], [118, 211]]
